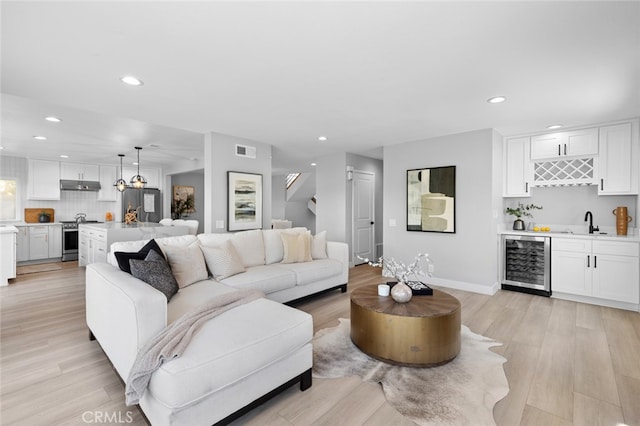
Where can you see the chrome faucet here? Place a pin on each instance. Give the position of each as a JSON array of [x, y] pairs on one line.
[[589, 216]]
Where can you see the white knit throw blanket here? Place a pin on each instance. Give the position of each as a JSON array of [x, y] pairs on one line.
[[171, 342]]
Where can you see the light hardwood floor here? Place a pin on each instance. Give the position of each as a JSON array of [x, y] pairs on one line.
[[567, 363]]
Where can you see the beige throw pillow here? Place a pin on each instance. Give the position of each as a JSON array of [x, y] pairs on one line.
[[297, 247], [187, 264], [223, 260], [319, 245]]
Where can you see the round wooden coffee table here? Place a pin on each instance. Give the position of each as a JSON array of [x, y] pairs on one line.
[[421, 333]]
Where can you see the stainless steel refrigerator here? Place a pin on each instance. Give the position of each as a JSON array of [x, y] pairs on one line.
[[147, 202]]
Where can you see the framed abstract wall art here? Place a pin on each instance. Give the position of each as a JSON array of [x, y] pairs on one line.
[[431, 199], [244, 201]]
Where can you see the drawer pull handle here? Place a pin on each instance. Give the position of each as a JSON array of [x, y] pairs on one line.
[[595, 262], [588, 262]]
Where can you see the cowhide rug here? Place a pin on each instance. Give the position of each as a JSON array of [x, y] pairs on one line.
[[462, 392]]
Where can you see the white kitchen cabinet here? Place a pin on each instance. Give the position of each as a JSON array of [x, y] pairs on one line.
[[108, 175], [602, 269], [517, 167], [582, 142], [38, 242], [616, 160], [79, 171], [92, 245], [22, 244], [7, 254], [55, 241], [83, 246], [44, 180]]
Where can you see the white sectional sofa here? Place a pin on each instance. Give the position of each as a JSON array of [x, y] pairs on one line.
[[236, 360]]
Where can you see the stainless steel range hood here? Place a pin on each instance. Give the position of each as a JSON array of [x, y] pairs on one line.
[[79, 185]]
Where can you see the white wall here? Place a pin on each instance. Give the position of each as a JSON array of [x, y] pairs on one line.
[[467, 259], [278, 196], [331, 187], [219, 158]]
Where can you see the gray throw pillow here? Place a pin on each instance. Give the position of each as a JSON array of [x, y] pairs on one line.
[[155, 271]]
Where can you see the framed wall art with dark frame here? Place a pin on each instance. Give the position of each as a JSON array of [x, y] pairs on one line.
[[431, 199], [244, 205]]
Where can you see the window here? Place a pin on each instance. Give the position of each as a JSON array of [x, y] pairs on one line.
[[8, 199], [291, 177]]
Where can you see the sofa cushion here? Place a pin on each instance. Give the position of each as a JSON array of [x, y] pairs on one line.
[[187, 263], [309, 272], [176, 241], [223, 261], [229, 348], [265, 278], [250, 247], [155, 271], [319, 245], [123, 257], [297, 247], [273, 248], [194, 295], [212, 240]]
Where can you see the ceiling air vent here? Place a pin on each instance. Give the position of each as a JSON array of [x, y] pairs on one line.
[[245, 151]]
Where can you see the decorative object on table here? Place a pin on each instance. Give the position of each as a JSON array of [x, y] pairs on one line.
[[244, 206], [420, 288], [138, 181], [383, 290], [108, 217], [622, 220], [131, 216], [463, 391], [400, 292], [44, 217], [121, 184], [431, 199], [184, 201], [518, 212]]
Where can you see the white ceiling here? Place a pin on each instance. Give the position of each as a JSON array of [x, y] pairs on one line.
[[365, 74]]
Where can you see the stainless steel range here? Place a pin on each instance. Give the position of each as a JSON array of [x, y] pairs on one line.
[[70, 238]]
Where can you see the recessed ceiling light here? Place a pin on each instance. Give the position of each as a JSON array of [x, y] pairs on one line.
[[64, 156], [322, 138], [496, 99], [53, 119], [554, 126], [40, 138], [131, 80], [313, 164], [1, 147], [134, 163]]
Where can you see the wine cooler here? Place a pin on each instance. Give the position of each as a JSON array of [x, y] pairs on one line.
[[526, 264]]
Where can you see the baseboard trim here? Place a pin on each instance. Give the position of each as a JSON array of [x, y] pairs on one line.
[[595, 301], [466, 286]]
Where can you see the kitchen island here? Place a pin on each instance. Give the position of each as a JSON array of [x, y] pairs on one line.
[[95, 239]]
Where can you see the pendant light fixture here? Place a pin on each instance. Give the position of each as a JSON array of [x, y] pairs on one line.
[[121, 184], [138, 181]]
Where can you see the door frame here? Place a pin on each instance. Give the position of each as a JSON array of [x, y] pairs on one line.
[[353, 216]]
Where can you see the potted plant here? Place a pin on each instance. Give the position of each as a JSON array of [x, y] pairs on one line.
[[518, 212], [44, 217]]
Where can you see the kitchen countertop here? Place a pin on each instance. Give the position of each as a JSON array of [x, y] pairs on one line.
[[7, 229], [579, 235], [122, 225], [36, 224]]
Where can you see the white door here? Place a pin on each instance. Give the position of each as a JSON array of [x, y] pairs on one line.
[[363, 216]]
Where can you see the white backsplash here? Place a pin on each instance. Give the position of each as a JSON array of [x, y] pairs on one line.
[[73, 202]]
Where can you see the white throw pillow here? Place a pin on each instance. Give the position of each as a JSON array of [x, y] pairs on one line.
[[319, 245], [273, 248], [250, 247], [187, 264], [214, 239], [297, 247], [223, 261]]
